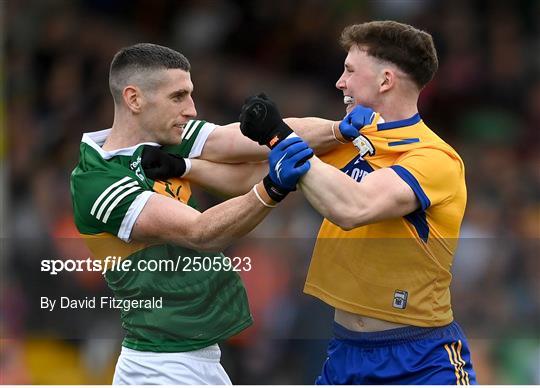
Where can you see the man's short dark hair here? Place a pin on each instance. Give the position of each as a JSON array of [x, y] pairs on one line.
[[409, 48], [140, 60]]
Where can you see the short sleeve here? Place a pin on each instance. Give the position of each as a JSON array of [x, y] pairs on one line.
[[107, 202], [433, 174], [194, 136]]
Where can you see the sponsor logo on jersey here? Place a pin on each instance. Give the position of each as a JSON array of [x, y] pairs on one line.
[[357, 168], [136, 166]]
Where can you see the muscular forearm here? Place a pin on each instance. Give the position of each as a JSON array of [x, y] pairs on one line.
[[165, 220], [333, 194], [226, 180], [315, 131], [380, 195], [222, 224], [226, 144]]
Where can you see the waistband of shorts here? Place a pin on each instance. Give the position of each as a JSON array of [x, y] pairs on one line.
[[396, 336], [210, 353]]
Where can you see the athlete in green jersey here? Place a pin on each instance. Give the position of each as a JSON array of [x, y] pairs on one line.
[[109, 191], [121, 211]]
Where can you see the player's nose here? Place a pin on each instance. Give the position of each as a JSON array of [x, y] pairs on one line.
[[189, 109], [340, 84]]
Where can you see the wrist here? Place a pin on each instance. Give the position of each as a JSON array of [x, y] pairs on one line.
[[262, 195], [187, 168], [275, 192], [283, 131], [338, 136], [180, 166]]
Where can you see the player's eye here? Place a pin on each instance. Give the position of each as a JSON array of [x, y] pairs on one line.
[[179, 97]]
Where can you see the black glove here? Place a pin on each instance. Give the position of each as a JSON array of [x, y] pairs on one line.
[[261, 121], [159, 164]]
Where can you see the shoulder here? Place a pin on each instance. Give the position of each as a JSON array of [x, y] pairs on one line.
[[195, 134], [97, 195]]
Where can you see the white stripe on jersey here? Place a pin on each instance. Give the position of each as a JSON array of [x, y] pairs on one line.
[[94, 207], [117, 201], [188, 128], [111, 196], [196, 123]]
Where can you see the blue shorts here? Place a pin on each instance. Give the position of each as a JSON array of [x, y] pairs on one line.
[[409, 355]]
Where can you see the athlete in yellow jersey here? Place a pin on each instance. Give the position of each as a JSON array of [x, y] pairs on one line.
[[393, 202]]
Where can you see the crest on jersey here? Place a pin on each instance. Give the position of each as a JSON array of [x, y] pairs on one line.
[[400, 299], [364, 146], [175, 188]]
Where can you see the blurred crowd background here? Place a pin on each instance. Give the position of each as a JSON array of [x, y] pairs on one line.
[[485, 101]]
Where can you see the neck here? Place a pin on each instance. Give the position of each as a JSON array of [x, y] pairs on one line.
[[124, 133], [395, 108]]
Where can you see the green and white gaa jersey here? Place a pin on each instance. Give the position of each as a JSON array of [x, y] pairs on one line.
[[199, 308]]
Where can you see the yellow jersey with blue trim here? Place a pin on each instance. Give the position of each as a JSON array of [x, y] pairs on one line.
[[398, 269]]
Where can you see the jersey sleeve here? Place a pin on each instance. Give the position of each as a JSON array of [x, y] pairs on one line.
[[107, 202], [432, 174], [193, 138]]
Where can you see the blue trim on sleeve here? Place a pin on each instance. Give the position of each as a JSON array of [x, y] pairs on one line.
[[413, 183], [418, 219], [400, 123], [404, 141]]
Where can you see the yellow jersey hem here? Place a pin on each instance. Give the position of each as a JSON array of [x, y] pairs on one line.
[[341, 304]]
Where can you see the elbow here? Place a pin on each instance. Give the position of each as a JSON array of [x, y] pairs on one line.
[[347, 223], [347, 218], [202, 241], [199, 240]]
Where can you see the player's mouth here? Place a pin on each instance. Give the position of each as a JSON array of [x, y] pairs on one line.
[[349, 102], [180, 127]]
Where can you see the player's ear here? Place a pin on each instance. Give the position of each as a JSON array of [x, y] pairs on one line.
[[133, 98], [387, 80]]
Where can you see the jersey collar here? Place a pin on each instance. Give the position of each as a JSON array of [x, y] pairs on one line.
[[400, 123], [96, 140]]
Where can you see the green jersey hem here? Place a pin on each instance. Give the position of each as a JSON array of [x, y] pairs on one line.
[[176, 346]]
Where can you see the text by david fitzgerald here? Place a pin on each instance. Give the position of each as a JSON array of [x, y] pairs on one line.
[[104, 302]]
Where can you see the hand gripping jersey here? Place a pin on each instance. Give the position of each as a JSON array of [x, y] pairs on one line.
[[399, 269], [199, 308]]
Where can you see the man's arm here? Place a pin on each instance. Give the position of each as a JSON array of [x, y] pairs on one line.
[[224, 179], [317, 132], [380, 195], [226, 144], [165, 220]]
